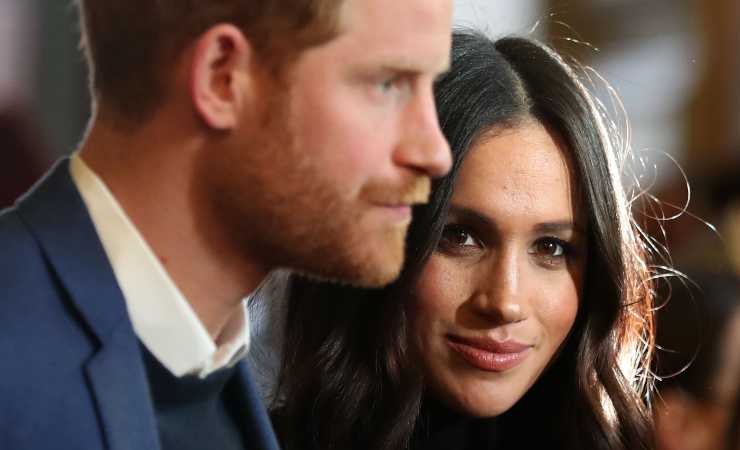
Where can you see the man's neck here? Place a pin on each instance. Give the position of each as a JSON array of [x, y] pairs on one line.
[[150, 172]]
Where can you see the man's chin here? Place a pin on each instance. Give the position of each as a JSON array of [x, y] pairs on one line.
[[368, 276], [364, 260], [377, 279], [365, 269]]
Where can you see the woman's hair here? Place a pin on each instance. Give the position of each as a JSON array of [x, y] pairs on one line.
[[347, 373]]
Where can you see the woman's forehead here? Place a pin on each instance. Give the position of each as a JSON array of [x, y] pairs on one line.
[[525, 168]]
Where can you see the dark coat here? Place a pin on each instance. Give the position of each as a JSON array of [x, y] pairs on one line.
[[71, 370]]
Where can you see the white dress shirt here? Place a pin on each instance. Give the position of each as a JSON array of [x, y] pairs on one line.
[[162, 318]]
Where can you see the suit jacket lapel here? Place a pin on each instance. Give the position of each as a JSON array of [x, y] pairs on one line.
[[57, 216], [119, 384]]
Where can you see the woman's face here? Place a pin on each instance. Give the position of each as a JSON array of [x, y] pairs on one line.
[[497, 299]]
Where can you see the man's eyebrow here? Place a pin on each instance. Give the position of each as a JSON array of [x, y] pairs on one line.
[[411, 66]]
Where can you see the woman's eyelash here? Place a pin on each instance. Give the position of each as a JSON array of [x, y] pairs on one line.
[[455, 235], [560, 247], [550, 251], [553, 251]]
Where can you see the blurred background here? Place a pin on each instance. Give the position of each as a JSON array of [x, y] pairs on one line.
[[674, 64]]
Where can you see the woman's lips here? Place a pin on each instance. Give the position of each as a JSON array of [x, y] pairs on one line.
[[488, 354]]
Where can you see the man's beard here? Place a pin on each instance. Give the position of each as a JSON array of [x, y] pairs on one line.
[[286, 212], [323, 237]]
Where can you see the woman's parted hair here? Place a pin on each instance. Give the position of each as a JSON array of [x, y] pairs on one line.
[[347, 380], [130, 44]]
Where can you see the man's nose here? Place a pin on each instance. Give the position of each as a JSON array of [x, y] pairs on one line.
[[424, 148]]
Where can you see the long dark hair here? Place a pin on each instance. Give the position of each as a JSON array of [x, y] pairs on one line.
[[346, 372]]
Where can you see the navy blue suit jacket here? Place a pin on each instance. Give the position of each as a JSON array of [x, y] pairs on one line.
[[71, 370]]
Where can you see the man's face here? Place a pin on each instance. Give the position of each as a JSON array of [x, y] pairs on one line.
[[345, 145]]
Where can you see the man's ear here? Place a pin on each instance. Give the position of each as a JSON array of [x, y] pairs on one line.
[[220, 79]]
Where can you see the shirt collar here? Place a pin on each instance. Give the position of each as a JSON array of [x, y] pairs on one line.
[[162, 318]]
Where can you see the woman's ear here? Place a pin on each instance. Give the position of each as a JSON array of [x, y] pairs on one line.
[[220, 79]]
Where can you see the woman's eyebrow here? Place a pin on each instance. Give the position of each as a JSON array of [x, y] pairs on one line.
[[558, 226], [479, 220], [471, 216]]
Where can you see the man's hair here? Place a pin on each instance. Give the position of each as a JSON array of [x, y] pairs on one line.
[[131, 44]]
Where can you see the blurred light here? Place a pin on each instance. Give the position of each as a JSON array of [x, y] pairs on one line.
[[499, 17]]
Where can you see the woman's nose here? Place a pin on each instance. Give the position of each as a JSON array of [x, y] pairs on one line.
[[501, 294]]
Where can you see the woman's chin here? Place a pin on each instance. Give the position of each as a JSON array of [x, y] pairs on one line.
[[487, 410], [473, 403]]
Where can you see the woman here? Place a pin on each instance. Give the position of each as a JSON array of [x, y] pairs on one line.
[[522, 317]]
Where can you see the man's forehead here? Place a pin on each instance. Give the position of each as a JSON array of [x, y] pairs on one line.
[[408, 35], [426, 11]]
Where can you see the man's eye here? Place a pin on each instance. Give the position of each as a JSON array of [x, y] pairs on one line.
[[393, 85], [458, 236], [387, 84]]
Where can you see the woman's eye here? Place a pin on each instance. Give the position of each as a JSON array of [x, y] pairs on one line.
[[458, 236], [550, 248], [552, 251]]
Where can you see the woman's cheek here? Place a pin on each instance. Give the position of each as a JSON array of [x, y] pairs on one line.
[[439, 290], [557, 309]]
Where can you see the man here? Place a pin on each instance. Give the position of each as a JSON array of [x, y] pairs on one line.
[[230, 137]]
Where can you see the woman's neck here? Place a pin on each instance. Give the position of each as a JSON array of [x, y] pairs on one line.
[[442, 428]]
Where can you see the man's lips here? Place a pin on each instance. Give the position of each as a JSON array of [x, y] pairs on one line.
[[398, 208], [489, 354], [408, 193], [405, 201], [396, 211]]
